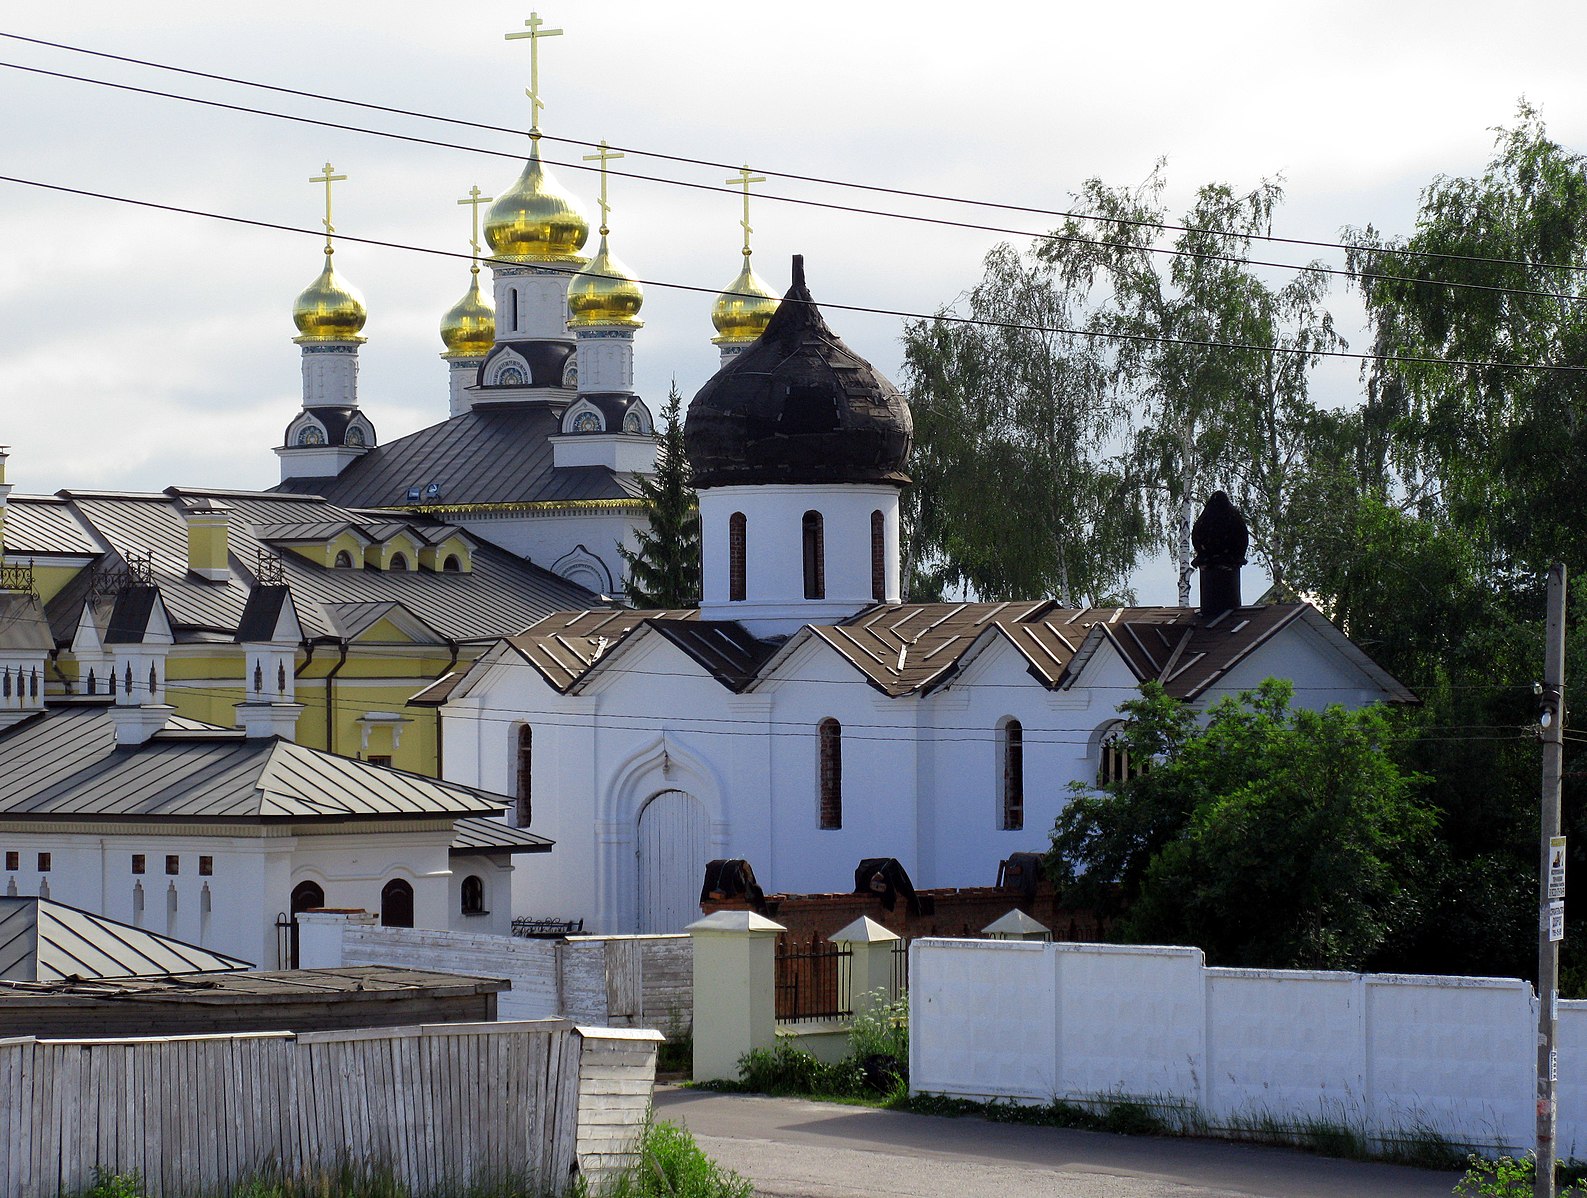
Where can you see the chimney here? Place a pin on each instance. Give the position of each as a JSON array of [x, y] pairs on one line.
[[208, 539], [1220, 538]]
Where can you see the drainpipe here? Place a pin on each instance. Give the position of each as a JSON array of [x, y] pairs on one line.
[[440, 745], [330, 698]]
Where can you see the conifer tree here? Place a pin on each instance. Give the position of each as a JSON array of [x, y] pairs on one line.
[[665, 570]]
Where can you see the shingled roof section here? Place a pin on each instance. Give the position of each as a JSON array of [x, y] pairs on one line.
[[500, 455], [501, 592], [914, 648], [67, 764], [46, 941]]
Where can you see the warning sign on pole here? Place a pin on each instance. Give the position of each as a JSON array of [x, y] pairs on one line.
[[1556, 867], [1556, 920]]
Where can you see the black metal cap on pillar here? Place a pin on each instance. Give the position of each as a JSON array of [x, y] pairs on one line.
[[1220, 538]]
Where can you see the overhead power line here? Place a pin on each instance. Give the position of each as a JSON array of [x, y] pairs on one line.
[[903, 314], [880, 189]]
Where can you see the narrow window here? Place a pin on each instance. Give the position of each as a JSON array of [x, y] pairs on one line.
[[473, 895], [452, 565], [1013, 776], [399, 563], [173, 864], [522, 775], [831, 737], [396, 904], [206, 867], [139, 863], [380, 759], [737, 531], [513, 291], [344, 560], [878, 557], [44, 863], [1117, 765], [13, 859], [815, 557], [306, 896]]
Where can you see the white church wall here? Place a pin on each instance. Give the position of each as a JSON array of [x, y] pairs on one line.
[[546, 538], [495, 875], [1323, 675]]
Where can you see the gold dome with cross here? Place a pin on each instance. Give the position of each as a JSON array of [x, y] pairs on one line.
[[604, 292], [745, 306], [330, 308]]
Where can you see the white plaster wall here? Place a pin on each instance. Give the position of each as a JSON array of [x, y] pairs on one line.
[[544, 538], [629, 453], [542, 303], [1322, 675], [496, 873], [330, 376], [1388, 1054], [774, 551], [606, 359]]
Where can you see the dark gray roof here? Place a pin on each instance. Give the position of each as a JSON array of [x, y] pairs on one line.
[[490, 455], [501, 592], [130, 615], [477, 835], [262, 613], [23, 624], [66, 763], [43, 525], [45, 941], [284, 986]]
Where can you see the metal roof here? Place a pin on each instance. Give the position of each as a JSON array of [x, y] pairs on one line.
[[487, 455], [500, 593], [475, 835], [288, 986], [23, 625], [67, 764], [904, 649], [46, 941], [43, 525]]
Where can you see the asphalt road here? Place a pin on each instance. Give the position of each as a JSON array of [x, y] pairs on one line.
[[795, 1149]]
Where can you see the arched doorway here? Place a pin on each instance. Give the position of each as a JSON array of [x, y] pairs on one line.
[[306, 896], [673, 834], [396, 904]]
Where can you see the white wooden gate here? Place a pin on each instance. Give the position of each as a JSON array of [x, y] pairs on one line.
[[672, 857]]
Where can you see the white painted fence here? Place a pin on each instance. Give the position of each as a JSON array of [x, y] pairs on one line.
[[437, 1104], [1387, 1054], [612, 981]]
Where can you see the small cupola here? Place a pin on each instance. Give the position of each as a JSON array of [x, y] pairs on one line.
[[1220, 538]]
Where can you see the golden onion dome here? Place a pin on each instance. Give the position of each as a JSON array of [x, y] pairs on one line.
[[469, 329], [743, 310], [330, 309], [533, 221], [604, 292]]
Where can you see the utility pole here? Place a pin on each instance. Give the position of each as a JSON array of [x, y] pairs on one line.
[[1551, 885]]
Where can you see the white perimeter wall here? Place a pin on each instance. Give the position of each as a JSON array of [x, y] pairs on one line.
[[1389, 1054]]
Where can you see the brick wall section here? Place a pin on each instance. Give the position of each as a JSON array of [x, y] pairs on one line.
[[945, 912]]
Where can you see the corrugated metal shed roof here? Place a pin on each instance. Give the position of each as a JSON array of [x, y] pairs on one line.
[[45, 941], [67, 764], [501, 592], [491, 455], [476, 835]]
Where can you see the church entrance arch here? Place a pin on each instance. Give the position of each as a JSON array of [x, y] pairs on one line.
[[673, 848]]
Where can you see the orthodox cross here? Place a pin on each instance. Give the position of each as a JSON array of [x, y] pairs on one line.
[[605, 155], [474, 200], [534, 35], [328, 178], [744, 179]]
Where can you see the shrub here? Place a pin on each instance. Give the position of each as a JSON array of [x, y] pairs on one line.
[[1506, 1177], [671, 1165], [114, 1185]]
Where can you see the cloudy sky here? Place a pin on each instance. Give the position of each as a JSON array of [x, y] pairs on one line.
[[141, 348]]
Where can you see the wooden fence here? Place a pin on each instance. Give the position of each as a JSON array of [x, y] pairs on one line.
[[438, 1105]]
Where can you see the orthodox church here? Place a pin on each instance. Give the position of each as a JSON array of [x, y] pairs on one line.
[[805, 717], [546, 439]]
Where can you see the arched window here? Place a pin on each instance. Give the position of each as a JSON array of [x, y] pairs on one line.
[[1116, 763], [513, 292], [473, 895], [396, 904], [831, 738], [452, 565], [1013, 754], [306, 896], [878, 557], [399, 563], [344, 560], [737, 549], [523, 756], [815, 557]]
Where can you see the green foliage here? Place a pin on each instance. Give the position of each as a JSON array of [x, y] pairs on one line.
[[1506, 1177], [664, 571], [1275, 836], [1021, 410], [114, 1185], [673, 1166], [881, 1029], [1502, 451]]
